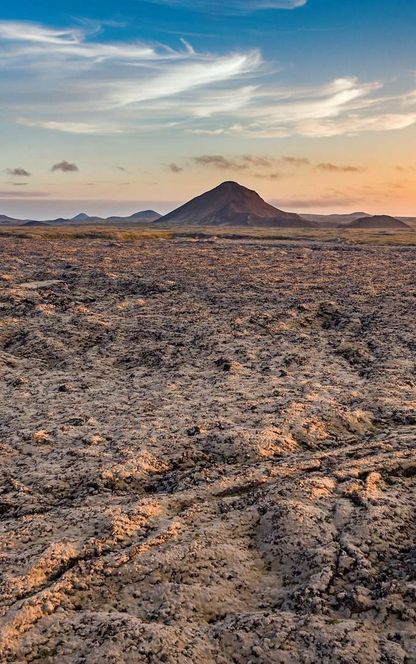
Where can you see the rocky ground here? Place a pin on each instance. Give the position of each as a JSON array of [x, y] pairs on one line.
[[208, 452]]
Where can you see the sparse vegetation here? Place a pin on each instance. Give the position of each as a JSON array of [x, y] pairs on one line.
[[130, 234], [124, 234]]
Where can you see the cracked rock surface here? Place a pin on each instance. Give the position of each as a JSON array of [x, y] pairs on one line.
[[207, 452]]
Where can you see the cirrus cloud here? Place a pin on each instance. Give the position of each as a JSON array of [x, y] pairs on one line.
[[93, 86], [232, 6], [71, 127]]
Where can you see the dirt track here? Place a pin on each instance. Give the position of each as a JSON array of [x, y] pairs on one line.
[[208, 452]]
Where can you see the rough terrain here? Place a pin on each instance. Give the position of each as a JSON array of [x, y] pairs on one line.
[[207, 452]]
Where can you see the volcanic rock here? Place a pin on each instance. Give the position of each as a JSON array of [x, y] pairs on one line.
[[231, 204]]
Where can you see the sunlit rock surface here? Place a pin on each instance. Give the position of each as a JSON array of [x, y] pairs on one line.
[[208, 452]]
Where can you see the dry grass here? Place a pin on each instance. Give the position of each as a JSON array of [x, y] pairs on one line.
[[379, 237], [85, 232], [133, 233]]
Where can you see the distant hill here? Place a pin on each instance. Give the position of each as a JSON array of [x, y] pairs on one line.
[[231, 204], [62, 221], [145, 216], [335, 220], [9, 221], [378, 221], [33, 222], [410, 221], [82, 217]]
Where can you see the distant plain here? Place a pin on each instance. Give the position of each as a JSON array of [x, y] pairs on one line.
[[132, 232]]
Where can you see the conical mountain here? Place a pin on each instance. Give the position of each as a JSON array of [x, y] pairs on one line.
[[231, 204]]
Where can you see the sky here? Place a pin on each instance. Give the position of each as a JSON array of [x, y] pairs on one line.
[[111, 107]]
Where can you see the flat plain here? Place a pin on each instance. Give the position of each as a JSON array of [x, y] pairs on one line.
[[208, 448]]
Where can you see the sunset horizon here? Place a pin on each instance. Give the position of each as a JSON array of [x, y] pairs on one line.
[[159, 101]]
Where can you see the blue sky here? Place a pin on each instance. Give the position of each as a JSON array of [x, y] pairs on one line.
[[156, 101]]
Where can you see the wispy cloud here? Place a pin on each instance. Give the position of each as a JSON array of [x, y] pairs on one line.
[[239, 163], [343, 106], [23, 194], [355, 123], [18, 172], [264, 167], [65, 167], [334, 168], [256, 160], [208, 132], [221, 162], [71, 127], [41, 40], [296, 161], [316, 203], [186, 76], [174, 168], [269, 176], [232, 6], [404, 169], [93, 86], [97, 87]]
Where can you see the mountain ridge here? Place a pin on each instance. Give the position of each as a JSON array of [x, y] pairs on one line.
[[229, 204], [145, 216]]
